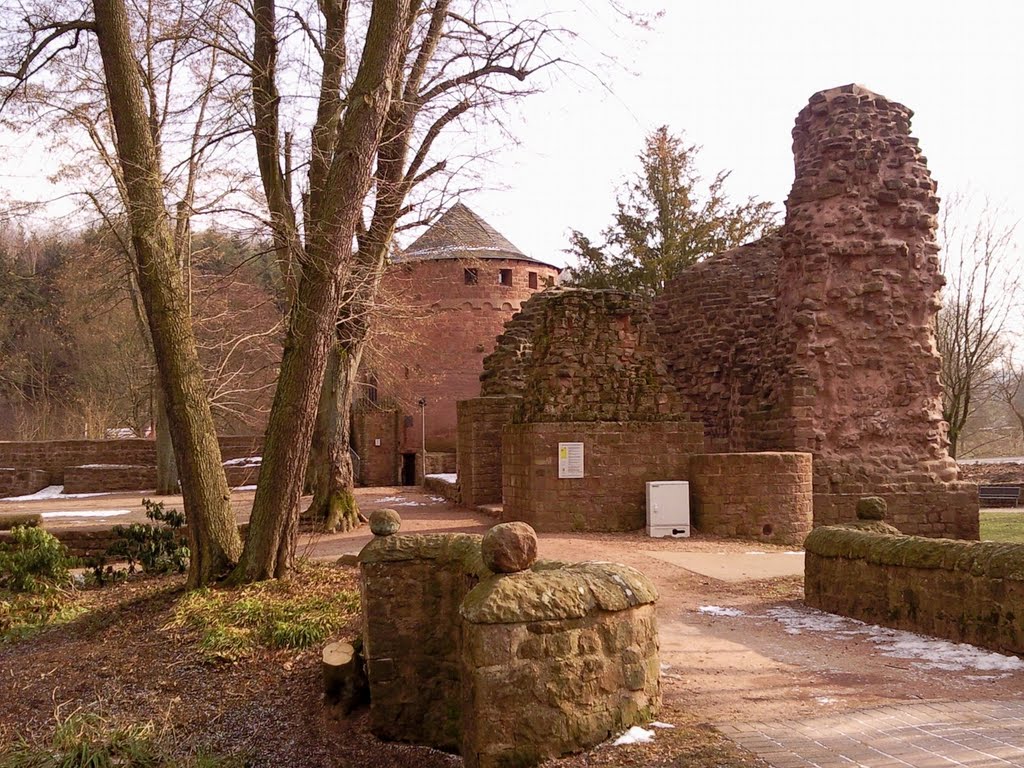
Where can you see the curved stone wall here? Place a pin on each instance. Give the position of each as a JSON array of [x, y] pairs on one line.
[[765, 496]]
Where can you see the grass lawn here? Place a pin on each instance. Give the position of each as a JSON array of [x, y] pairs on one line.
[[1002, 526]]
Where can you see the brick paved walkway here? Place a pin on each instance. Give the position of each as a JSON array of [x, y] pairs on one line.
[[978, 734]]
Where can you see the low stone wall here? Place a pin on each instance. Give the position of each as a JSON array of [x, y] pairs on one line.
[[619, 459], [765, 496], [54, 456], [472, 647], [441, 487], [964, 591], [97, 478], [481, 421], [22, 482], [947, 510]]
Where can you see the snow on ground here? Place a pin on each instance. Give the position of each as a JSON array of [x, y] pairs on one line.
[[402, 501], [716, 610], [86, 513], [635, 735], [52, 492], [245, 461], [244, 488], [446, 477], [926, 652]]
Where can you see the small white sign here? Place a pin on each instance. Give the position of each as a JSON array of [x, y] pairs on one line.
[[570, 460]]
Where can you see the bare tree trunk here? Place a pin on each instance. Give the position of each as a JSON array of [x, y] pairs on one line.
[[334, 504], [167, 483], [213, 532], [335, 202]]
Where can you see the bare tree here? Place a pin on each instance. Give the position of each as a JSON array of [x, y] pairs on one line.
[[982, 291], [45, 37], [463, 60], [1009, 384]]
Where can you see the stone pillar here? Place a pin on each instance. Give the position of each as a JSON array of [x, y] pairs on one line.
[[479, 447]]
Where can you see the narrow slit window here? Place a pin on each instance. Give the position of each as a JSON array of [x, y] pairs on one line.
[[533, 280], [505, 277], [470, 275]]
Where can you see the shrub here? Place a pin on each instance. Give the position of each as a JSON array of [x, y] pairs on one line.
[[34, 561], [154, 548]]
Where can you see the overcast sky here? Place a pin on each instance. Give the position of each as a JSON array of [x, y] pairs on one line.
[[733, 74]]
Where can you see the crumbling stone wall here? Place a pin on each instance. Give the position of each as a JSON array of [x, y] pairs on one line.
[[968, 592], [588, 370], [766, 496], [474, 647], [821, 338]]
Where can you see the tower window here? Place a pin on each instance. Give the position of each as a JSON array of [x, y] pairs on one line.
[[532, 276], [505, 277], [470, 275]]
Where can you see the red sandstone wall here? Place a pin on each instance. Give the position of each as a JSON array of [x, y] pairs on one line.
[[619, 459], [447, 329], [378, 464], [717, 328]]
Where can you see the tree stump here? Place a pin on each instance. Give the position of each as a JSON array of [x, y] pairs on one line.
[[345, 675]]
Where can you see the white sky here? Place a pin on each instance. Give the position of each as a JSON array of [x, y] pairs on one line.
[[734, 73]]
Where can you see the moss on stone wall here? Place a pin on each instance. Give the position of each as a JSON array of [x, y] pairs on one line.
[[880, 544], [554, 591]]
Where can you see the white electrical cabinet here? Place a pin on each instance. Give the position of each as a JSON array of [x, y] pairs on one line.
[[668, 508]]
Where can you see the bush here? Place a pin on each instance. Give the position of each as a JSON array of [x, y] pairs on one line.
[[154, 548], [34, 561]]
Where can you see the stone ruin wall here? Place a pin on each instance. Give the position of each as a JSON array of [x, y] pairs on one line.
[[467, 659], [821, 338], [577, 365]]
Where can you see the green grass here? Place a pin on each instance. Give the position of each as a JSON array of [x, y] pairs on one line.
[[90, 741], [1002, 526], [22, 614], [234, 624]]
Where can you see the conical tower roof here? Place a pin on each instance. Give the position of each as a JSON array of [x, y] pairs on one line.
[[462, 234]]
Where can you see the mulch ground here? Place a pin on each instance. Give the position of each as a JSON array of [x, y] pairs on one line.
[[121, 661]]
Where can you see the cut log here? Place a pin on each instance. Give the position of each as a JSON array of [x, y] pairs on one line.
[[345, 675]]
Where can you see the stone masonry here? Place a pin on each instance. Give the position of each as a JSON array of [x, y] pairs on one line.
[[588, 370], [506, 668], [764, 496], [478, 453], [964, 591], [820, 338]]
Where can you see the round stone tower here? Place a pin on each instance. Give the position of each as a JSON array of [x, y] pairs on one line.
[[454, 288]]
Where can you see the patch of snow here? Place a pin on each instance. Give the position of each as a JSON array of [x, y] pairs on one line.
[[796, 622], [244, 488], [107, 466], [925, 652], [755, 553], [659, 724], [245, 461], [823, 700], [635, 735], [52, 492], [794, 552], [446, 477], [87, 513], [716, 610], [437, 499]]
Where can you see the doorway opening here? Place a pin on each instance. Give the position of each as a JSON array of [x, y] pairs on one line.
[[408, 469]]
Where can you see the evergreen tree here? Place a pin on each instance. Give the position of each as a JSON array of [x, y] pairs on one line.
[[665, 222]]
